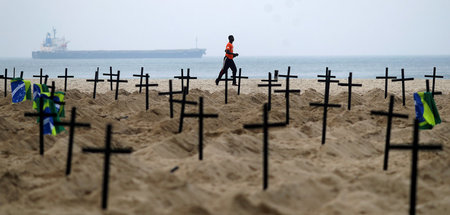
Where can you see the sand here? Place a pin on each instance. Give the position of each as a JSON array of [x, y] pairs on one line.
[[344, 176]]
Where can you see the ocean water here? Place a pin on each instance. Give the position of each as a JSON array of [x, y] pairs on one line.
[[363, 67]]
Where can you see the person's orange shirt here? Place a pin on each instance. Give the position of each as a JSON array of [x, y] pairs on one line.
[[230, 49]]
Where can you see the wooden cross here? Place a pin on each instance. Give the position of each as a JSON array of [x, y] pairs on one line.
[[403, 79], [188, 77], [140, 77], [386, 77], [269, 86], [95, 80], [40, 76], [265, 126], [5, 77], [72, 124], [183, 107], [226, 80], [287, 91], [107, 151], [41, 116], [146, 85], [415, 147], [434, 76], [170, 93], [350, 85], [52, 94], [326, 105], [117, 83], [390, 114], [239, 80], [65, 76], [201, 115], [110, 74]]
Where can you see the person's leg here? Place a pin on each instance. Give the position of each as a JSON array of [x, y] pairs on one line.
[[233, 68], [222, 71]]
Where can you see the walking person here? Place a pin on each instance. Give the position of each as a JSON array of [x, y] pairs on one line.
[[228, 61]]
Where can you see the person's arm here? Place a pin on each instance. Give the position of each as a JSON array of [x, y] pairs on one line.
[[234, 54]]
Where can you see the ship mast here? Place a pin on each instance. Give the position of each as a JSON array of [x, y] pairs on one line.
[[54, 33], [196, 41]]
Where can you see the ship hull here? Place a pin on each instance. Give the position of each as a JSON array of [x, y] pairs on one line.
[[177, 53]]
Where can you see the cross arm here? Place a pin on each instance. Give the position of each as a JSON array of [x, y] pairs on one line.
[[402, 79], [266, 85], [125, 81], [332, 81], [63, 76], [144, 85], [322, 105], [290, 76], [353, 85], [109, 74], [437, 76], [168, 93], [95, 80], [198, 115], [78, 124], [241, 77], [387, 114], [386, 77], [420, 147], [289, 91]]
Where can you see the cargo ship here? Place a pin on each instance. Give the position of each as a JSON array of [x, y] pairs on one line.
[[56, 48]]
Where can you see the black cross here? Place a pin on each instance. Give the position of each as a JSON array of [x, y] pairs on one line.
[[188, 77], [14, 72], [239, 80], [201, 115], [170, 93], [226, 85], [110, 74], [41, 116], [386, 77], [269, 86], [117, 83], [21, 74], [390, 114], [65, 76], [40, 76], [434, 76], [415, 147], [52, 94], [107, 151], [350, 84], [146, 85], [287, 91], [72, 124], [140, 77], [183, 107], [403, 79], [326, 105], [427, 83], [5, 77], [265, 126], [95, 80]]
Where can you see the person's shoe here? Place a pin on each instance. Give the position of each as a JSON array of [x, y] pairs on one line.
[[217, 81]]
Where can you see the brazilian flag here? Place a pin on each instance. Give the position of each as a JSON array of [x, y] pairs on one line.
[[426, 110], [21, 90], [38, 89], [49, 122], [59, 97]]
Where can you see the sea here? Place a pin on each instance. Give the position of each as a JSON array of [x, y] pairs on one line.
[[362, 67]]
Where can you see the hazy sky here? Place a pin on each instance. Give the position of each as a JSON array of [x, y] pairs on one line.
[[260, 27]]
